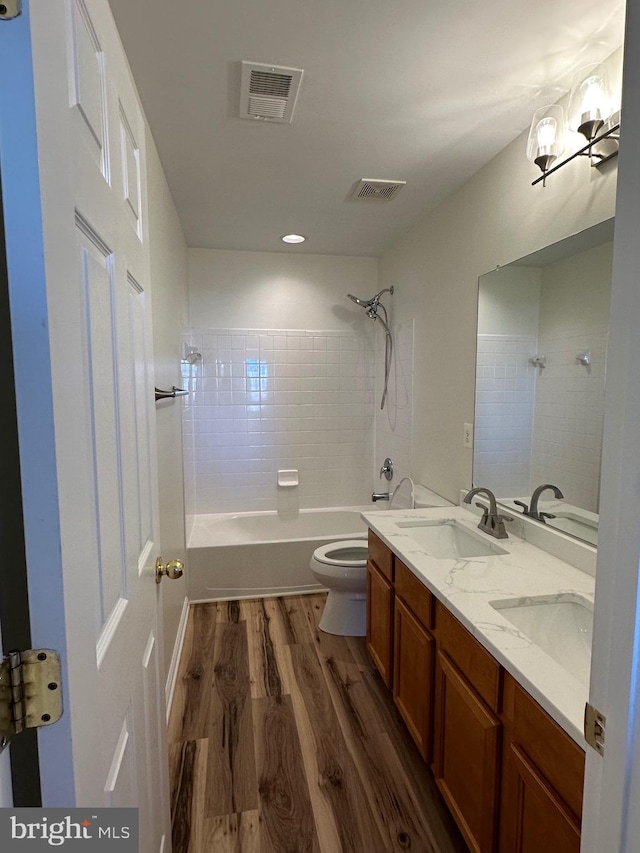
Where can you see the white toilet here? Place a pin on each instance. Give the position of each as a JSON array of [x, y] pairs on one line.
[[342, 568]]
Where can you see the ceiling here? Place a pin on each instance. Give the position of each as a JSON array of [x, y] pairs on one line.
[[417, 90]]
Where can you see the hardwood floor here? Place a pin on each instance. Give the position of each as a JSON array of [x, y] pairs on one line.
[[283, 739]]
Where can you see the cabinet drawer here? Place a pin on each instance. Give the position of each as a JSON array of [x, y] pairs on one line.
[[381, 555], [473, 660], [414, 594], [554, 753]]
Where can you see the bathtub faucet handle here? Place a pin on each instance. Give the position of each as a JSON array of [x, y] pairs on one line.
[[387, 468]]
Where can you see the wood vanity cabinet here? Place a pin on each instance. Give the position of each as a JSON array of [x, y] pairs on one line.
[[414, 656], [467, 733], [511, 777], [542, 779], [380, 596]]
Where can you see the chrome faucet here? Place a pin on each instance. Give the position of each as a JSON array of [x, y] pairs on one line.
[[380, 496], [532, 510], [491, 522], [387, 468]]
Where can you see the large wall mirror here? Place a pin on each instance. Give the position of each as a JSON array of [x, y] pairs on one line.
[[541, 364]]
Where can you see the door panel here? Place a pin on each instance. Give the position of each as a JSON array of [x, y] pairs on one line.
[[102, 502]]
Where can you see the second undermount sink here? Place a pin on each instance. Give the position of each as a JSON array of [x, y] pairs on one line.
[[561, 625], [448, 539]]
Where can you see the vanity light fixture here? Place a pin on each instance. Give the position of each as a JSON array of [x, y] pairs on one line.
[[546, 137], [293, 238], [591, 113]]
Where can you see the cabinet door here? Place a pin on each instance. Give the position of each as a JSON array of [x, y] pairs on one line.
[[466, 756], [533, 817], [380, 622], [413, 676]]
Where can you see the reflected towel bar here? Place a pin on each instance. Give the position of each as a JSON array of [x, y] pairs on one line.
[[175, 392]]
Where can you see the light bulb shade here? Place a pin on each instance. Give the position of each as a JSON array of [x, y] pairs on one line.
[[590, 104], [546, 136]]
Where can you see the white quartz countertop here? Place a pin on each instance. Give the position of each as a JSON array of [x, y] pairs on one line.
[[466, 586]]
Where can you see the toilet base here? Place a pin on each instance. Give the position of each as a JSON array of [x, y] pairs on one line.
[[345, 614]]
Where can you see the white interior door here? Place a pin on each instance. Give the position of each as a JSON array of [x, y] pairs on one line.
[[6, 792], [84, 385]]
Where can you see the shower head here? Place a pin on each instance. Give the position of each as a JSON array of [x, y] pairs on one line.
[[364, 302], [371, 307], [370, 303]]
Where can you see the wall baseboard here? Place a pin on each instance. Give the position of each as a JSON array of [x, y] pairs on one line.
[[175, 657]]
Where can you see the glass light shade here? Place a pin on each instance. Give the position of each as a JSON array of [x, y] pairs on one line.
[[546, 136], [293, 238], [590, 104]]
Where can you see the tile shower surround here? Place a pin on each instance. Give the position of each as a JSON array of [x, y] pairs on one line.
[[567, 435], [505, 400], [263, 400], [544, 426]]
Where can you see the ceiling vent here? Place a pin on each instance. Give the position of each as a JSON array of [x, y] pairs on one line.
[[372, 189], [268, 92]]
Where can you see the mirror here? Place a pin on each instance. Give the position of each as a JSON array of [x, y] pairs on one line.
[[541, 359]]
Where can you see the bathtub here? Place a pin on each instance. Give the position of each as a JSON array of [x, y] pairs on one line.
[[251, 554]]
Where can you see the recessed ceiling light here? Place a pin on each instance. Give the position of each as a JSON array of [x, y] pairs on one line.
[[293, 238]]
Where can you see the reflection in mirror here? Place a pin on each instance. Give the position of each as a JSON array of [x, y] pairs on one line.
[[541, 358]]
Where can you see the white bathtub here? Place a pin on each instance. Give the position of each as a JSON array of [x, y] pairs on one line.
[[245, 555]]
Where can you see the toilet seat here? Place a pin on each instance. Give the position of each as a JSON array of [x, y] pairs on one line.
[[348, 553]]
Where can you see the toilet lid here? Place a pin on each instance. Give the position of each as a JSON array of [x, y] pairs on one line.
[[349, 552]]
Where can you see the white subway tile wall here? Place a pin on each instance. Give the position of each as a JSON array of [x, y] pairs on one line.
[[567, 436], [505, 400], [394, 423], [270, 399]]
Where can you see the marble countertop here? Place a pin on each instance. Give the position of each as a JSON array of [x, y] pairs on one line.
[[466, 586]]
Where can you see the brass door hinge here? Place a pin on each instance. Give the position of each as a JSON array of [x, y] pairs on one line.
[[10, 9], [594, 728], [30, 692]]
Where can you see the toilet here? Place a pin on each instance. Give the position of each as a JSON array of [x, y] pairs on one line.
[[342, 568]]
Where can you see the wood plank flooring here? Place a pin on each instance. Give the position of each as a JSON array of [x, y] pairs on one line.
[[283, 739]]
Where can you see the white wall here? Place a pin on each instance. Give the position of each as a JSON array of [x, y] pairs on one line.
[[509, 301], [277, 290], [493, 219], [170, 311]]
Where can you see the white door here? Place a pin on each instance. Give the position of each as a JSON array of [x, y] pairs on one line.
[[6, 792], [78, 263]]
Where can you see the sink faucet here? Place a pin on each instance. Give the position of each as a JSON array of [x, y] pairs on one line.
[[491, 522], [532, 510]]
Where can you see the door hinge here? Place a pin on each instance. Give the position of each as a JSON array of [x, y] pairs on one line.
[[10, 9], [594, 728], [30, 692]]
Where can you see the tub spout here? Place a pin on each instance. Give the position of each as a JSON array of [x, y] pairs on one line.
[[380, 496]]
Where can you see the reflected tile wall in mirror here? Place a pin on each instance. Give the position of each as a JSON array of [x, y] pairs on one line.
[[544, 425]]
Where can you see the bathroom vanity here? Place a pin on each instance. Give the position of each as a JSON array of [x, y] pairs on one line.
[[496, 717]]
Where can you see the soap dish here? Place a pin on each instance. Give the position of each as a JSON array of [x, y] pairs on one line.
[[288, 478]]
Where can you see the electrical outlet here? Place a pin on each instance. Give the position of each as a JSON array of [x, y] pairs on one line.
[[467, 436]]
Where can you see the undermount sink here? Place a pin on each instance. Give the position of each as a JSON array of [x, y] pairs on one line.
[[561, 625], [449, 540]]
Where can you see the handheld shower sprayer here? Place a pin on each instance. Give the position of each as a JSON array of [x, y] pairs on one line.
[[371, 307]]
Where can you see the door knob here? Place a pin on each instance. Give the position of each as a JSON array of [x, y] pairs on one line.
[[172, 570]]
